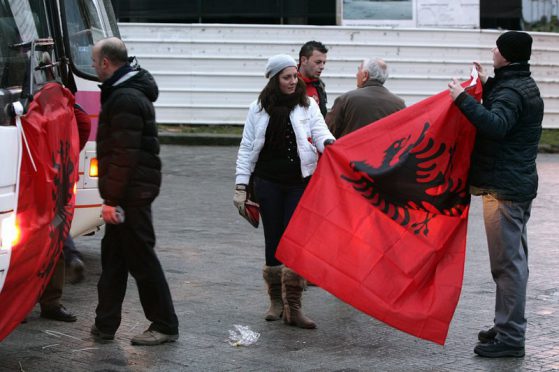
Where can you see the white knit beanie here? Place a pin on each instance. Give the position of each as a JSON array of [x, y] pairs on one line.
[[277, 63]]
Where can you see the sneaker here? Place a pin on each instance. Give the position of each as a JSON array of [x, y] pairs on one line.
[[487, 335], [152, 337], [100, 334], [498, 349], [75, 270]]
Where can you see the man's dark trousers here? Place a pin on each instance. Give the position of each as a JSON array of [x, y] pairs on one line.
[[129, 247]]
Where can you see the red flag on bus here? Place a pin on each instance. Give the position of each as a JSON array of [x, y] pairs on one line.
[[49, 170], [382, 224]]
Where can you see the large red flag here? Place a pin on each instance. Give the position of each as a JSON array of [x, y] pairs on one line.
[[382, 224], [49, 170]]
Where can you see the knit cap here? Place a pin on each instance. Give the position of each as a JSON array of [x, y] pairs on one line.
[[515, 46], [277, 63]]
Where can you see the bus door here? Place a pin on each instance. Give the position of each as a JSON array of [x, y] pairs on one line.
[[83, 24]]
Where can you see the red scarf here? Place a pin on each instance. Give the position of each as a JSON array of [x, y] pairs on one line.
[[311, 89]]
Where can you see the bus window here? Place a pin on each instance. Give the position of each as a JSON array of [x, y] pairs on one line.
[[21, 22], [86, 23]]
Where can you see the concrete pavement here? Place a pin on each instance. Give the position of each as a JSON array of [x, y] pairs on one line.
[[213, 262]]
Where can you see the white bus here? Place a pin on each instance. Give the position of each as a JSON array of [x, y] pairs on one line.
[[66, 30]]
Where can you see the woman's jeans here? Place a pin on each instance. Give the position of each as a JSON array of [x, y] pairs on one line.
[[277, 204]]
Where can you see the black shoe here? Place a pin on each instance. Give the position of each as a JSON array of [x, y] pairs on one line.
[[487, 336], [75, 270], [100, 334], [497, 349], [58, 313]]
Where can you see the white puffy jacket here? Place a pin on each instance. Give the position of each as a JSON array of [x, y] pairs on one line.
[[310, 131]]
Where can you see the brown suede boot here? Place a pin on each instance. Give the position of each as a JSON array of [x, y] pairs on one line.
[[292, 291], [272, 277]]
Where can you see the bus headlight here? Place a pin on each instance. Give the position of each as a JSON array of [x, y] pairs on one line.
[[93, 168], [10, 232]]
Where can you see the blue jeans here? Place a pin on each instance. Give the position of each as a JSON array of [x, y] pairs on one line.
[[70, 251], [505, 227], [277, 204]]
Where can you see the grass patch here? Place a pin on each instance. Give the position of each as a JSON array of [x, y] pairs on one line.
[[550, 140], [550, 136]]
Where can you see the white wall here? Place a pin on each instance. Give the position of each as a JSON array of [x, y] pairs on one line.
[[209, 74]]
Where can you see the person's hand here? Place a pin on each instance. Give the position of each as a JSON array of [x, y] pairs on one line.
[[240, 197], [481, 72], [455, 88], [109, 214]]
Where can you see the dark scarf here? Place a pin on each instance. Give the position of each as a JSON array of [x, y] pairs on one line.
[[122, 70], [107, 86], [279, 119]]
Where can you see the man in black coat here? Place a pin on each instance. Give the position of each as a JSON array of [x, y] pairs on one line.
[[129, 181], [503, 170]]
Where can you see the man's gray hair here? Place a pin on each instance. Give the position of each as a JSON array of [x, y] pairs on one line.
[[376, 68]]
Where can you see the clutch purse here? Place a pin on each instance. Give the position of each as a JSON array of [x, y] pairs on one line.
[[252, 208], [251, 213]]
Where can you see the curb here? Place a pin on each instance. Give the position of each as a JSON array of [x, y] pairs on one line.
[[548, 149], [207, 139], [210, 139]]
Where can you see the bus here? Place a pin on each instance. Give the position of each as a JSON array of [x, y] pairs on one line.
[[42, 40]]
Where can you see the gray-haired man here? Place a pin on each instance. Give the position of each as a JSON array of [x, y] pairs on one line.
[[370, 102]]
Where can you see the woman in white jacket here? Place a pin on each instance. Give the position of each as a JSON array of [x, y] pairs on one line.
[[283, 133]]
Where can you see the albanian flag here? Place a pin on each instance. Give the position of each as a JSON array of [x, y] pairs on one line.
[[45, 205], [382, 224]]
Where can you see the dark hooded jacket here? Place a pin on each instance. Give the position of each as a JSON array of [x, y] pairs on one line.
[[127, 142], [509, 126]]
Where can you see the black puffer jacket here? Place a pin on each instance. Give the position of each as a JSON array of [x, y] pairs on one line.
[[127, 142], [509, 127]]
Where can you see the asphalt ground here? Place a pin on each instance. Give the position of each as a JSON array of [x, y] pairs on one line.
[[213, 261]]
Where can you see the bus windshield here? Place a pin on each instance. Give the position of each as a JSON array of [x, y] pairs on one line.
[[21, 22], [87, 22]]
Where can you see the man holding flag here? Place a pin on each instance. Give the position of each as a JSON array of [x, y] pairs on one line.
[[503, 171]]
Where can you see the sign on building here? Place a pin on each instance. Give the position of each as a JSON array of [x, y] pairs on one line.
[[410, 13]]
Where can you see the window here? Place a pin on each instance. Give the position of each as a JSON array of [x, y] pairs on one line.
[[21, 22], [86, 23]]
